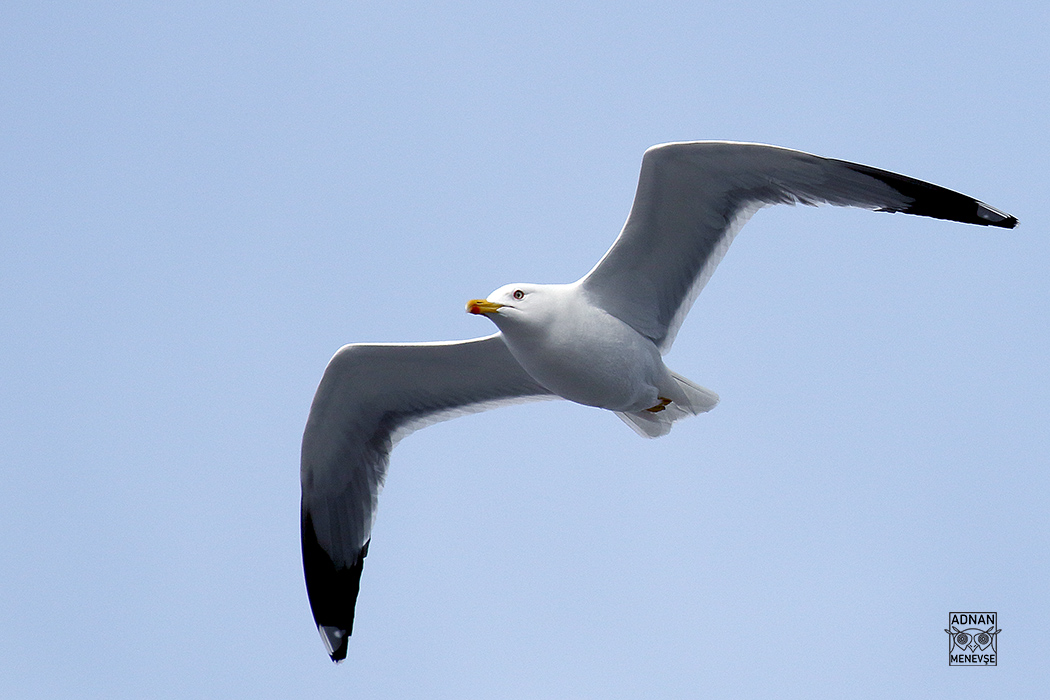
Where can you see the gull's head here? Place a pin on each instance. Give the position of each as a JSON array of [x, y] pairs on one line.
[[511, 301]]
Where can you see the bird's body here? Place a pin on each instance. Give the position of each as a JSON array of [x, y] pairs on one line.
[[598, 341], [578, 350]]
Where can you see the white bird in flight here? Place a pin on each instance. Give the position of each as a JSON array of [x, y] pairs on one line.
[[598, 341]]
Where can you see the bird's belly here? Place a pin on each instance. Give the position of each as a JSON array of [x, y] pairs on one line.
[[616, 371]]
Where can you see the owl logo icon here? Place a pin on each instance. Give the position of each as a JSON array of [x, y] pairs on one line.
[[972, 639]]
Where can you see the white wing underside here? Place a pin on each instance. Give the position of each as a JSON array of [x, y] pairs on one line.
[[372, 396], [706, 271], [693, 198]]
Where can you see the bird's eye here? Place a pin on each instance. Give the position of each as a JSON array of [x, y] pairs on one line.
[[518, 294]]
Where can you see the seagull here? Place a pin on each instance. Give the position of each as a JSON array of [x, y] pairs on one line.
[[598, 341]]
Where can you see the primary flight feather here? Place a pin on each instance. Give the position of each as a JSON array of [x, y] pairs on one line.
[[598, 341]]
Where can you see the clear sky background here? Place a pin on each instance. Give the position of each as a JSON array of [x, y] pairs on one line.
[[200, 202]]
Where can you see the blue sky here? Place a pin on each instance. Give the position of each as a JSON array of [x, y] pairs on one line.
[[200, 202]]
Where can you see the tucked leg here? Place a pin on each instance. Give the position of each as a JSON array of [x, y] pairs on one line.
[[660, 406]]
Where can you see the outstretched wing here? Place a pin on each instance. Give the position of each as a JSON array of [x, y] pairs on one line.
[[692, 199], [369, 398]]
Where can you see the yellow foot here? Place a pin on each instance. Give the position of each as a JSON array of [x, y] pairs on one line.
[[660, 406]]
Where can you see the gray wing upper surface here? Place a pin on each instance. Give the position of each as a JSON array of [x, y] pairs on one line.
[[369, 397], [692, 198]]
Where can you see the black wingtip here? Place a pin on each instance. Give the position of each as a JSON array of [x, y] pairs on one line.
[[990, 216], [335, 641], [339, 655], [332, 591], [994, 217], [937, 202]]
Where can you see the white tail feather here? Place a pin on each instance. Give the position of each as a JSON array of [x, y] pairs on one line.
[[691, 400]]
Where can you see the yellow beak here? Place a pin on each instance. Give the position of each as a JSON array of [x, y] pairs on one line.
[[482, 306]]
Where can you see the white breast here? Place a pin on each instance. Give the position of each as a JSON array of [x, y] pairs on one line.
[[583, 354]]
